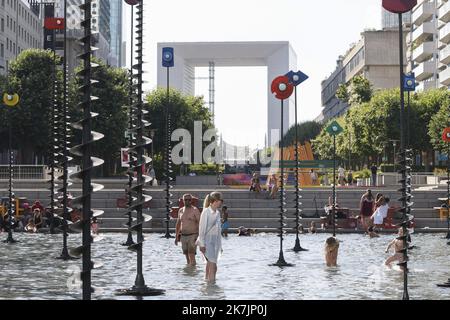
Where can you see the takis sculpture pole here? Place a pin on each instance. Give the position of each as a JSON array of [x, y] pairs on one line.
[[334, 129], [409, 84], [140, 288], [400, 7], [10, 100], [168, 62], [84, 152], [282, 89], [296, 78], [446, 138], [65, 154], [54, 24], [131, 142]]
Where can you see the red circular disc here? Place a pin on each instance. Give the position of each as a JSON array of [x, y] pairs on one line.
[[446, 135], [282, 88], [132, 2], [399, 6]]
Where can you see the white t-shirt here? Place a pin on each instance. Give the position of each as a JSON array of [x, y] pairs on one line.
[[380, 214], [341, 172]]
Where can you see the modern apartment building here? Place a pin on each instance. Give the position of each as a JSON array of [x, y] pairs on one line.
[[100, 26], [444, 43], [116, 32], [20, 29], [375, 57], [389, 20], [423, 44]]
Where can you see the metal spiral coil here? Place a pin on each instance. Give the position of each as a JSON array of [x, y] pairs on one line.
[[405, 199], [11, 206], [55, 149], [168, 167], [137, 199], [281, 229], [83, 152], [131, 142], [297, 203], [65, 159]]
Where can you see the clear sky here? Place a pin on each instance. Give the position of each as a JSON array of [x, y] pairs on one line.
[[319, 31]]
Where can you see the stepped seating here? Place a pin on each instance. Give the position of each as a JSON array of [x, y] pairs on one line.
[[251, 210]]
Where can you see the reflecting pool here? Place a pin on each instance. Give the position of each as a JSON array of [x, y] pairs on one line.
[[30, 270]]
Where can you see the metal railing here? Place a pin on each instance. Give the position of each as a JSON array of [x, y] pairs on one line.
[[24, 172]]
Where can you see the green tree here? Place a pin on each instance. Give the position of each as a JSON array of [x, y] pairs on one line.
[[357, 90], [113, 93], [184, 110], [31, 76], [306, 132], [436, 126], [322, 145], [432, 109]]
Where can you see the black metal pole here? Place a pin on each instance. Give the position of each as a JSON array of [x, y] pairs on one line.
[[334, 186], [130, 241], [281, 262], [11, 210], [408, 121], [448, 191], [297, 246], [66, 216], [86, 158], [52, 138], [139, 288], [168, 160], [404, 165]]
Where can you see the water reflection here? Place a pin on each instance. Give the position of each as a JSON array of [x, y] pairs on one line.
[[212, 291], [191, 271], [30, 270]]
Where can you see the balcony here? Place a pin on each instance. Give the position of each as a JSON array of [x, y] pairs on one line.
[[444, 12], [423, 32], [423, 13], [444, 77], [444, 34], [425, 70], [423, 52], [444, 55], [426, 85]]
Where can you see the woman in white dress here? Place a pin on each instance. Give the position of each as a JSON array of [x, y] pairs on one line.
[[209, 236]]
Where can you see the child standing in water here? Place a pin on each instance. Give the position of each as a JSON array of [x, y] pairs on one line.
[[225, 224], [398, 247], [331, 251]]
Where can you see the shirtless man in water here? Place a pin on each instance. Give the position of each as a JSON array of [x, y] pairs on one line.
[[187, 229], [398, 246]]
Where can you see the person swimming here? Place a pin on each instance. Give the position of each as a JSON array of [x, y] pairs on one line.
[[371, 232]]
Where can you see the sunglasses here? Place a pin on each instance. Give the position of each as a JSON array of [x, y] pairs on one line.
[[187, 199]]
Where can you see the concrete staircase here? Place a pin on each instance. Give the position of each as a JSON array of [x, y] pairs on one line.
[[251, 210]]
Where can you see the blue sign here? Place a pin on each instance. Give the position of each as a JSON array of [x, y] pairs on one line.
[[409, 82], [296, 77], [167, 57]]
